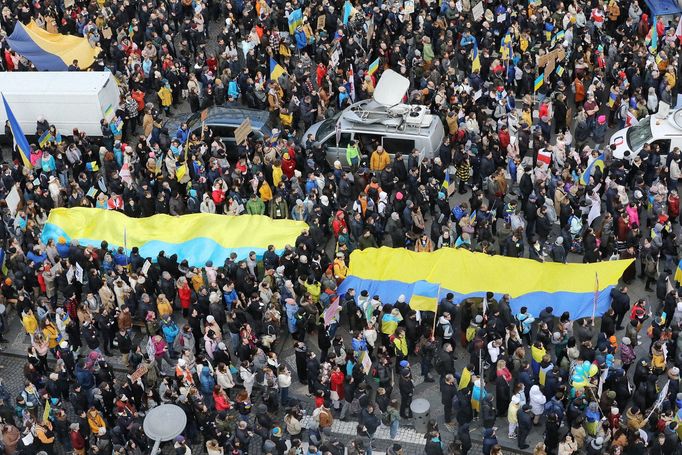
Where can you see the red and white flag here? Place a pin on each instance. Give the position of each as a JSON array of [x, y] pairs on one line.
[[545, 156], [678, 32]]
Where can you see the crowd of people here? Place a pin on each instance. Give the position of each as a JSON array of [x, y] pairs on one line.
[[523, 156]]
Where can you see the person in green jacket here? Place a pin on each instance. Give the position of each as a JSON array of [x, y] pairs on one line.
[[353, 154], [255, 205]]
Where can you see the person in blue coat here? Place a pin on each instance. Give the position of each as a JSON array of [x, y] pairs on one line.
[[170, 331], [301, 38], [206, 387], [489, 440], [182, 134]]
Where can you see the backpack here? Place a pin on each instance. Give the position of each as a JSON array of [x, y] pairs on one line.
[[326, 418], [386, 419]]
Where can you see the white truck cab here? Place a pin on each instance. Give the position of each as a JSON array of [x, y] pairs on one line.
[[663, 128]]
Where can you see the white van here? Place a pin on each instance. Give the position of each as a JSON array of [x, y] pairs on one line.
[[67, 99], [381, 120], [663, 129]]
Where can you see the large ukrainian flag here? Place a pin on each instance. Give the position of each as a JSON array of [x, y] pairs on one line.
[[390, 272], [199, 237], [51, 51]]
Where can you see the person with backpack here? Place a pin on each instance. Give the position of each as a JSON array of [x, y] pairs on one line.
[[524, 320]]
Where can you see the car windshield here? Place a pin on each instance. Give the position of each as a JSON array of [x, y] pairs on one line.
[[639, 134], [327, 127]]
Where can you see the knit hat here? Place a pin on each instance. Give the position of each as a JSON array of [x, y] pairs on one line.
[[626, 341], [401, 298]]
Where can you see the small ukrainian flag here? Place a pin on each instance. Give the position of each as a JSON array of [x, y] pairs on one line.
[[373, 67], [539, 81], [678, 272], [424, 296], [276, 70]]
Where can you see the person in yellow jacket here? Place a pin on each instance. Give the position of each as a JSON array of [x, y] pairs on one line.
[[51, 333], [163, 306], [277, 173], [340, 268], [29, 321], [45, 435], [512, 416], [95, 420], [379, 160], [400, 344], [265, 192], [314, 288], [389, 322], [165, 97]]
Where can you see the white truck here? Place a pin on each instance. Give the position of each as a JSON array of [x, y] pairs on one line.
[[65, 99]]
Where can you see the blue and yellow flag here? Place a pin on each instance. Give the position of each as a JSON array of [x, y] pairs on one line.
[[559, 70], [373, 67], [475, 59], [276, 70], [45, 138], [446, 182], [597, 163], [506, 47], [424, 296], [539, 81], [348, 11], [51, 51], [465, 379], [390, 272], [678, 272], [198, 238], [295, 19], [19, 137]]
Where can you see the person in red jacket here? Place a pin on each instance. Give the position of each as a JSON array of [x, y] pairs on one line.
[[288, 164], [222, 402], [77, 440], [673, 204], [185, 295], [339, 223]]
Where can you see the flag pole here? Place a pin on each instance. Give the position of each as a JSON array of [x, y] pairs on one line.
[[435, 315], [596, 295]]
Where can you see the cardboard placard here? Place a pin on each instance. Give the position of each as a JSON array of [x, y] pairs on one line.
[[560, 53], [549, 67], [308, 31], [242, 132], [141, 371], [478, 11], [107, 33], [321, 22], [69, 3], [204, 115], [409, 6], [541, 60]]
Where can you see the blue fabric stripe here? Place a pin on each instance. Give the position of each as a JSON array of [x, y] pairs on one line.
[[197, 251], [579, 305], [20, 42]]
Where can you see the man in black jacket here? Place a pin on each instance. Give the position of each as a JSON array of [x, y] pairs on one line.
[[620, 302], [525, 425], [406, 386], [448, 389], [125, 344]]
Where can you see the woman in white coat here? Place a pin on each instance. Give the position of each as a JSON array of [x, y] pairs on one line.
[[537, 403]]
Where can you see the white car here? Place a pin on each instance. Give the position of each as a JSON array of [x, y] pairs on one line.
[[666, 132]]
